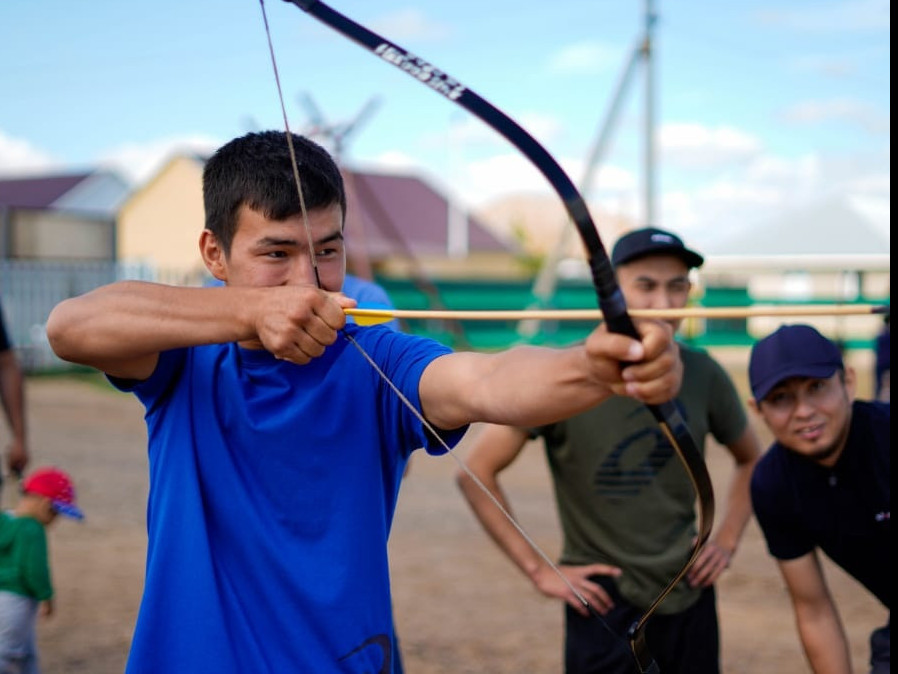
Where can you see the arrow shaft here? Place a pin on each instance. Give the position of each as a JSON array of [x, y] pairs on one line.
[[596, 314]]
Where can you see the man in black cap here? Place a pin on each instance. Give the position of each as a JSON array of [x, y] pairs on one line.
[[824, 483], [625, 504]]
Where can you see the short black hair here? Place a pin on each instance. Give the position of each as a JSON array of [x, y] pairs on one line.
[[256, 170]]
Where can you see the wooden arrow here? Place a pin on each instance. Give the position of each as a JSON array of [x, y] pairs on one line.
[[372, 316]]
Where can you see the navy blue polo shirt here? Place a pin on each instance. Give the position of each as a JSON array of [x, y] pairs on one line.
[[843, 510]]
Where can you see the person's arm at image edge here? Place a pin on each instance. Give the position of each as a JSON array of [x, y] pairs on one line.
[[816, 616], [12, 394]]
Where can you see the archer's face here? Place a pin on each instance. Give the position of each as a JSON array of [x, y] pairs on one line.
[[655, 282], [811, 416], [276, 252]]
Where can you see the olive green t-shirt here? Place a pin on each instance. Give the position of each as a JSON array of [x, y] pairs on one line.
[[623, 495], [24, 565]]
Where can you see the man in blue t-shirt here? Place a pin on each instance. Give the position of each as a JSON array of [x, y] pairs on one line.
[[823, 484], [278, 433]]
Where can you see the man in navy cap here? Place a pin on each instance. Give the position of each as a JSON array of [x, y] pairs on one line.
[[824, 483], [626, 506]]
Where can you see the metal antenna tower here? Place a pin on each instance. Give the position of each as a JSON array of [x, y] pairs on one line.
[[335, 135], [547, 279]]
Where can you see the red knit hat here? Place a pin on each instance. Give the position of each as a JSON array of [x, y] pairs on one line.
[[56, 486]]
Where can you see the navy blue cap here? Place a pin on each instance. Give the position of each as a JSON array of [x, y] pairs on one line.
[[791, 351], [652, 241]]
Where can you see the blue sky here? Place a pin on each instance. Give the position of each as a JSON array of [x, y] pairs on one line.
[[760, 107]]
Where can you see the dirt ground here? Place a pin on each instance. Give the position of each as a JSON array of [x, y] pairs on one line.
[[461, 606]]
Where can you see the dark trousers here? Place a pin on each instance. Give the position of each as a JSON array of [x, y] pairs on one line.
[[682, 643], [880, 642]]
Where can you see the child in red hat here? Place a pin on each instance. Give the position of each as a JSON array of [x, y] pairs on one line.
[[25, 585]]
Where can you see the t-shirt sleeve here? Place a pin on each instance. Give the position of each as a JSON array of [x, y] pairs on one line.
[[727, 419], [152, 389], [403, 359]]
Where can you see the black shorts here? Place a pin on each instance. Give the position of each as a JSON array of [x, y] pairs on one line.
[[880, 654], [683, 642]]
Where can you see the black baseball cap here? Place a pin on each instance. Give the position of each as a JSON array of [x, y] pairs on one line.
[[652, 241], [791, 351]]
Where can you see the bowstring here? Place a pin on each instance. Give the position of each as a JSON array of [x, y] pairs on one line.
[[294, 164], [383, 375]]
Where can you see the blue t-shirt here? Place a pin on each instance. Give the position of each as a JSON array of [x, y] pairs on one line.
[[272, 492], [369, 295], [843, 510]]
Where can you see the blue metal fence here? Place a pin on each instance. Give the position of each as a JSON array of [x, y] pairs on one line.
[[30, 289]]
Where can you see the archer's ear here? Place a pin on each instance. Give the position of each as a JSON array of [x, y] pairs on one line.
[[213, 255]]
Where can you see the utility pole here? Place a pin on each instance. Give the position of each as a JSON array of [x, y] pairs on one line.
[[547, 278], [649, 169]]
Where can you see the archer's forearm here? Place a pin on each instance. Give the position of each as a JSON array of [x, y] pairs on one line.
[[131, 320], [524, 386]]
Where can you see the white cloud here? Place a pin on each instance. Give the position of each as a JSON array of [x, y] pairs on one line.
[[695, 146], [851, 111], [409, 24], [468, 131], [19, 156], [839, 16], [138, 162], [583, 58], [767, 186], [395, 161], [480, 181], [545, 128], [828, 66], [507, 173]]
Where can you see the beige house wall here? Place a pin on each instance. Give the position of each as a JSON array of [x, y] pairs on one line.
[[50, 235], [161, 222]]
